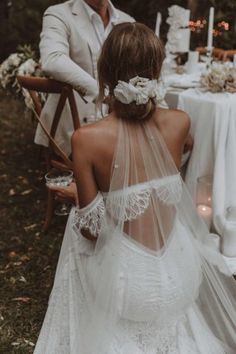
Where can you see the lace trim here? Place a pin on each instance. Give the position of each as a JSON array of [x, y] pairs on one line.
[[128, 204], [90, 217], [170, 192], [134, 205], [133, 202]]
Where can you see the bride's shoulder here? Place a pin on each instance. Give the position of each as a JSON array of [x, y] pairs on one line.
[[91, 134], [174, 120]]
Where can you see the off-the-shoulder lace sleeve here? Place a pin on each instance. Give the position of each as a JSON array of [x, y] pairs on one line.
[[90, 217], [132, 202], [127, 204]]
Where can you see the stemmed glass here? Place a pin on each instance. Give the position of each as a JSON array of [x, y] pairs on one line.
[[56, 179]]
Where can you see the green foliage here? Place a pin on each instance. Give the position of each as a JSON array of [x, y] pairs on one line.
[[20, 23], [225, 10]]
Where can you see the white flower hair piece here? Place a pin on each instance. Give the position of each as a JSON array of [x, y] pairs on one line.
[[139, 90]]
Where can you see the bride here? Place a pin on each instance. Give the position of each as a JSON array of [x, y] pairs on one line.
[[135, 275]]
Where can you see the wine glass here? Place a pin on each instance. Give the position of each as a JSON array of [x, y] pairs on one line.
[[57, 178]]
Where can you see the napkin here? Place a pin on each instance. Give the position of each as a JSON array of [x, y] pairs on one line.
[[182, 81]]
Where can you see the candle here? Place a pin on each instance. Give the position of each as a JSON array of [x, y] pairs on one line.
[[229, 239], [234, 60], [158, 24], [191, 66], [210, 29], [206, 213]]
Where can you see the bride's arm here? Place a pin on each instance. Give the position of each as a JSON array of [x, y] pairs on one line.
[[67, 193], [188, 146], [82, 153]]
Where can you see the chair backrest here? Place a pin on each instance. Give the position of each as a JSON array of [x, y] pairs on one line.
[[229, 54], [217, 53], [36, 85]]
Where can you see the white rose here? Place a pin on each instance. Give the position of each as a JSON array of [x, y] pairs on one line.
[[4, 67], [231, 80], [178, 16], [27, 68], [5, 81], [15, 59], [220, 78], [173, 39]]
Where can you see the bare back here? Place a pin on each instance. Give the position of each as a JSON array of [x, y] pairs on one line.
[[94, 148]]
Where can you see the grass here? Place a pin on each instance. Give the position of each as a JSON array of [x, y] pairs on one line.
[[28, 256]]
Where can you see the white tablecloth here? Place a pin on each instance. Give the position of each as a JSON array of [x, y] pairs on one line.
[[213, 125]]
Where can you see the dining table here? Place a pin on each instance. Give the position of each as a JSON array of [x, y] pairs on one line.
[[213, 128]]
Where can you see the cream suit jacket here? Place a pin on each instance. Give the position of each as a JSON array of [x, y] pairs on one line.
[[69, 53]]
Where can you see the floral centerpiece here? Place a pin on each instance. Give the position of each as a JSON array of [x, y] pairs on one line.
[[24, 62], [178, 36], [220, 78]]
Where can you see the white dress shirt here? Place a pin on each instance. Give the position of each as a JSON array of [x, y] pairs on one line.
[[98, 25]]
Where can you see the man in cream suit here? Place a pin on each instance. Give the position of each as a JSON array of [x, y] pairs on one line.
[[71, 40]]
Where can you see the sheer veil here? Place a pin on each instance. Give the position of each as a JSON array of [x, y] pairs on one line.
[[152, 266], [150, 281]]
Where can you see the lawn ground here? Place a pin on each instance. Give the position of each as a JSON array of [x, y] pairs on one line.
[[28, 256]]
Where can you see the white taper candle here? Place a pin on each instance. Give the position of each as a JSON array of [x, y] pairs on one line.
[[206, 213], [210, 29], [158, 24]]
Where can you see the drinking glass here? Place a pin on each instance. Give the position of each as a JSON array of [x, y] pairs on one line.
[[57, 178]]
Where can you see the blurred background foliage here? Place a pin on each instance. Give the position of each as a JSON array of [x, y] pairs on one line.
[[20, 20]]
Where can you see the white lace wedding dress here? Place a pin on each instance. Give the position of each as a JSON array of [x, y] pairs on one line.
[[158, 315], [149, 285]]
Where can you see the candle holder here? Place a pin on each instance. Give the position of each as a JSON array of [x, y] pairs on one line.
[[209, 52], [204, 199]]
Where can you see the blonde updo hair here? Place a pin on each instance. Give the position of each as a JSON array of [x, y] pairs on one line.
[[131, 49]]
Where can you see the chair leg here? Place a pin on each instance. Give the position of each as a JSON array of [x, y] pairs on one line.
[[50, 210], [47, 159]]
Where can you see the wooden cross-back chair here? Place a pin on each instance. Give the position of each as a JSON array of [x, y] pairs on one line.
[[217, 53], [229, 54], [54, 155]]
